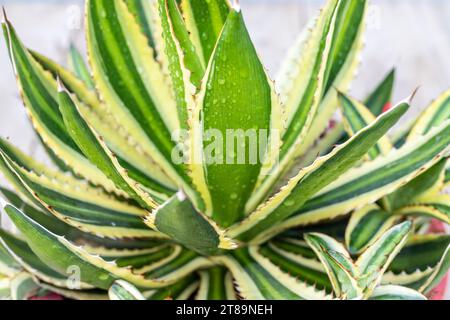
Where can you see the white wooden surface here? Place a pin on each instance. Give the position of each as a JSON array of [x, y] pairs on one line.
[[413, 35]]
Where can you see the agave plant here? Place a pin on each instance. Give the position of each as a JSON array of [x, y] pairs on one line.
[[156, 192]]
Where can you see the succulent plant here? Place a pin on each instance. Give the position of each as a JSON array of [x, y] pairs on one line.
[[181, 170]]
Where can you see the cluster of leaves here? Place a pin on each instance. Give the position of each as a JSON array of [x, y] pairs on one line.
[[117, 217]]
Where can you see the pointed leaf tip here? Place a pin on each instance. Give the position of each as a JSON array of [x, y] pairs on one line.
[[4, 17], [411, 97], [236, 6]]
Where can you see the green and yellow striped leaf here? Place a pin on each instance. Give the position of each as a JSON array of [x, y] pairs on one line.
[[96, 244], [132, 83], [303, 97], [143, 13], [435, 114], [81, 205], [89, 295], [25, 257], [216, 284], [226, 133], [23, 286], [357, 117], [375, 260], [421, 264], [257, 278], [382, 95], [296, 258], [180, 55], [417, 187], [312, 179], [60, 254], [181, 290], [204, 21], [39, 93], [348, 42], [372, 180], [366, 225], [129, 152], [92, 146], [338, 265]]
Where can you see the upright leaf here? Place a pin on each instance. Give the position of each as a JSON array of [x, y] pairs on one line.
[[348, 43], [232, 117], [301, 104]]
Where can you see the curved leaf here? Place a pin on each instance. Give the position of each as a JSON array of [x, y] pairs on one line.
[[216, 284], [97, 152]]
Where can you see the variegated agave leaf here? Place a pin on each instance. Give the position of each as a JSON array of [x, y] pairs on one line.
[[157, 191], [357, 280]]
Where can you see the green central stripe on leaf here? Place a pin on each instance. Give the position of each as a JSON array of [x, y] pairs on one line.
[[236, 106]]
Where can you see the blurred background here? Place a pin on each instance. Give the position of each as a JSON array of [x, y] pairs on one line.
[[412, 35]]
